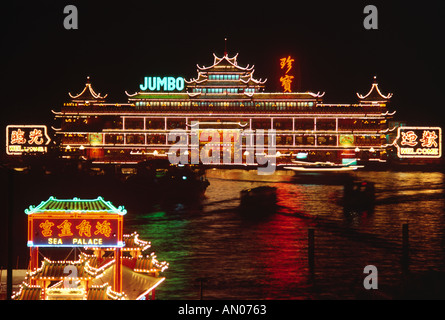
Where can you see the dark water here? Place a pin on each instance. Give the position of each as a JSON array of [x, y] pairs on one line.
[[250, 257], [266, 257]]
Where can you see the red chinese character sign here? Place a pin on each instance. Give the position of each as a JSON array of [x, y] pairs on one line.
[[75, 223], [419, 142], [286, 64], [26, 139], [74, 232]]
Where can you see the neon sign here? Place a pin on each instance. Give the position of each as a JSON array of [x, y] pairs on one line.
[[162, 84], [419, 142], [75, 223], [22, 139], [74, 232], [286, 80]]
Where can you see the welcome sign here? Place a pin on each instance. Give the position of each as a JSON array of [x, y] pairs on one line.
[[419, 142], [26, 139]]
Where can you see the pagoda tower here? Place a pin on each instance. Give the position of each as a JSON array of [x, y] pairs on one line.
[[225, 77]]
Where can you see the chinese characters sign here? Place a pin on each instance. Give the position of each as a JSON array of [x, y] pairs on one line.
[[286, 80], [419, 142], [74, 232], [23, 139]]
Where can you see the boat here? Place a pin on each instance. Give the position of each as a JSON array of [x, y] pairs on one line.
[[358, 195], [258, 200], [321, 172], [166, 182], [303, 166]]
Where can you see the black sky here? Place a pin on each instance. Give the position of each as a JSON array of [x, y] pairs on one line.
[[118, 43]]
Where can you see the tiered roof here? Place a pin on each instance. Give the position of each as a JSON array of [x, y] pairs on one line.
[[225, 63], [133, 243], [55, 270], [150, 265], [224, 79], [28, 292], [374, 94], [224, 73], [87, 94]]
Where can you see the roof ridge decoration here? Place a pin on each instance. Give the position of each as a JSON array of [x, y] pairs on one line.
[[373, 91], [250, 78], [110, 208], [232, 61], [93, 94], [201, 76]]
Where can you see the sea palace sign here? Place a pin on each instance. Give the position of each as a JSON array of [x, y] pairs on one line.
[[75, 223]]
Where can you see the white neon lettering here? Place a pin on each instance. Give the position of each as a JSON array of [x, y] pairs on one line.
[[162, 84]]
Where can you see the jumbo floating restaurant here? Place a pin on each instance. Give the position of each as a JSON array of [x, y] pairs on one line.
[[227, 98]]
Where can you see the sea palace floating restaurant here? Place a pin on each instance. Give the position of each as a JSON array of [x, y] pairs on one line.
[[110, 266], [224, 97]]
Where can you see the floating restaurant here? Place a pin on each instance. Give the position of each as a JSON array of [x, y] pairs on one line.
[[110, 266], [224, 101]]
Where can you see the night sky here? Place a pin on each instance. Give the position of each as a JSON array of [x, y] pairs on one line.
[[118, 44]]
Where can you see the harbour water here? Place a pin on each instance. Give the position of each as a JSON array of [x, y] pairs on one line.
[[214, 252]]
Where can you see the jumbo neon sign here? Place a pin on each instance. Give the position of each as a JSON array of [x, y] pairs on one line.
[[162, 84], [419, 142]]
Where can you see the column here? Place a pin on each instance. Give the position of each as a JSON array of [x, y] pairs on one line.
[[33, 261], [117, 285]]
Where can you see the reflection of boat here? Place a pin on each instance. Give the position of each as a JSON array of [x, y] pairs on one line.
[[302, 166], [260, 199], [358, 195]]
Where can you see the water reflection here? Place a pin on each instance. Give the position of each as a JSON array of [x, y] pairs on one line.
[[251, 258]]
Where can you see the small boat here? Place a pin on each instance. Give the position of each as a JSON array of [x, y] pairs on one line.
[[259, 200], [302, 166], [359, 195]]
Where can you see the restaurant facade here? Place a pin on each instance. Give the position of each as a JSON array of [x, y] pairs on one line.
[[226, 111]]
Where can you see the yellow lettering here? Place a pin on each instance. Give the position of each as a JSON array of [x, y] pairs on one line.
[[55, 241]]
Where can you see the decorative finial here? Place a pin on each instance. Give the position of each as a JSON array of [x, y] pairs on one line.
[[225, 46]]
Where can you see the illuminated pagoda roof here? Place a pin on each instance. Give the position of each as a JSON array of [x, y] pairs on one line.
[[55, 270], [28, 292], [102, 292], [136, 285], [374, 93], [133, 243], [224, 79], [98, 205], [225, 63], [87, 94], [224, 73], [150, 265]]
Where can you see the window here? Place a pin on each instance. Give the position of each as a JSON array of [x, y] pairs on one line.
[[134, 123]]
